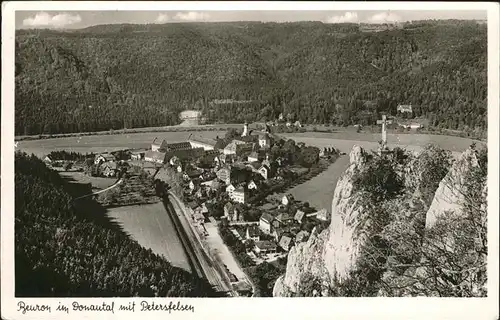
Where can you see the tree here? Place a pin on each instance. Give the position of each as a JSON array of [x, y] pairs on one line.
[[68, 165]]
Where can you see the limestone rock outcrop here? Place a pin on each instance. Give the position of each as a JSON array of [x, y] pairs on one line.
[[331, 253], [449, 196]]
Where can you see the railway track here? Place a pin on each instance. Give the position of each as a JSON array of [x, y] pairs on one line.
[[213, 272], [193, 261]]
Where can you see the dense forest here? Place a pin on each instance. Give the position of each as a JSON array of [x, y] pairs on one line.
[[115, 76], [62, 250]]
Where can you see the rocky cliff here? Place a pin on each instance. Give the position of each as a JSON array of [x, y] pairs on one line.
[[450, 194], [332, 253]]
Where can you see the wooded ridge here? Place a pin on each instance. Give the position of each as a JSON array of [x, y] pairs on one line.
[[115, 76]]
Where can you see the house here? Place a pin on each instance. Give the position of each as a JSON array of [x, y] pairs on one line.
[[224, 159], [254, 166], [193, 184], [199, 142], [264, 171], [237, 147], [265, 223], [252, 185], [208, 158], [104, 157], [265, 247], [232, 212], [137, 155], [297, 124], [193, 205], [299, 216], [109, 169], [230, 189], [410, 125], [231, 148], [224, 174], [212, 184], [238, 195], [177, 146], [204, 209], [175, 161], [47, 159], [278, 232], [158, 146], [285, 242], [200, 193], [264, 140], [268, 163], [254, 157], [155, 156], [302, 236], [198, 217], [252, 233], [287, 199], [193, 173], [228, 209], [236, 234], [284, 219], [404, 108], [323, 215]]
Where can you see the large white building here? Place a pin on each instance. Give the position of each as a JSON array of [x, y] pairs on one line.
[[238, 195], [206, 144], [264, 140]]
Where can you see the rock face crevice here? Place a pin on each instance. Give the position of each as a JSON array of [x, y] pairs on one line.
[[333, 253]]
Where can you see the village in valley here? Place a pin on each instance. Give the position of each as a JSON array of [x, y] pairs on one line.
[[233, 190]]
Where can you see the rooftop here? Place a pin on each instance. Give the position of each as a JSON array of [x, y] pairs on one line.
[[266, 244], [239, 190], [202, 140], [285, 242], [253, 231], [155, 155], [267, 217]]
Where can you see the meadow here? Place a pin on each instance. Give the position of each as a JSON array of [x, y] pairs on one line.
[[151, 226], [98, 183], [344, 140], [107, 143], [319, 190]]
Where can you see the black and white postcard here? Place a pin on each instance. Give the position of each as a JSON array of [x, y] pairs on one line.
[[290, 159]]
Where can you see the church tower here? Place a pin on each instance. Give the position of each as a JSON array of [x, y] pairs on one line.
[[245, 130]]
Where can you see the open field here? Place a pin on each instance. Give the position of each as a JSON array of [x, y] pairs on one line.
[[319, 190], [107, 143], [345, 140], [181, 128], [98, 183], [152, 227]]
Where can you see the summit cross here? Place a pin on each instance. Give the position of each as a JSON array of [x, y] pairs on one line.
[[384, 122]]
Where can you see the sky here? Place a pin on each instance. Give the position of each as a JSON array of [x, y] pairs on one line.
[[82, 19]]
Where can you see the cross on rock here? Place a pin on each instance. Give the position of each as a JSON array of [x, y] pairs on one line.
[[384, 122]]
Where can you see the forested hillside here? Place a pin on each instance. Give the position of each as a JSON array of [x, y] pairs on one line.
[[115, 76], [75, 255]]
